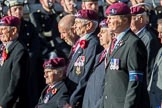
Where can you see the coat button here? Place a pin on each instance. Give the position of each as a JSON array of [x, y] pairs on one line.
[[43, 25], [152, 92], [106, 97], [27, 34]]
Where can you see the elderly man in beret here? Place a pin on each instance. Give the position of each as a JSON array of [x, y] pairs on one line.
[[94, 89], [29, 37], [83, 57], [14, 62], [55, 94], [155, 85], [125, 78], [140, 26]]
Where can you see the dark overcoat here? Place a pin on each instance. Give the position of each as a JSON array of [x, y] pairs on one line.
[[125, 78], [13, 77], [94, 89], [58, 97], [80, 68]]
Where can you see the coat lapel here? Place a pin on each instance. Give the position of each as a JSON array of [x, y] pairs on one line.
[[118, 46], [51, 93], [43, 94], [11, 47], [74, 58], [56, 89], [98, 62]]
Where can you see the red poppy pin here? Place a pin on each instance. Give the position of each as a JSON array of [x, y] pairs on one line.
[[83, 44], [4, 55], [54, 91]]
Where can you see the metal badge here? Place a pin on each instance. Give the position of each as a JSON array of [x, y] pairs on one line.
[[114, 64], [1, 61], [46, 99], [78, 70], [79, 64]]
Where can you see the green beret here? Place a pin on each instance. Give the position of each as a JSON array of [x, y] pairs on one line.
[[12, 3], [89, 0]]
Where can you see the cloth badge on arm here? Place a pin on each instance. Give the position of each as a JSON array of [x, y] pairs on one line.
[[135, 76]]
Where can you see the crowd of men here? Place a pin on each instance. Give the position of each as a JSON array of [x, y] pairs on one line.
[[87, 57]]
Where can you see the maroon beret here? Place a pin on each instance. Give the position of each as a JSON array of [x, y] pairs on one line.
[[89, 0], [9, 21], [137, 10], [103, 23], [54, 63], [87, 14], [119, 8]]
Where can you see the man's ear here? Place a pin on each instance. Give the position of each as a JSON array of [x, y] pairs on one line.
[[89, 25], [14, 30], [141, 19], [61, 74], [9, 12], [83, 5], [125, 20]]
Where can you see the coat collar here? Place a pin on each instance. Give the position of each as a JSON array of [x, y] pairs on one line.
[[12, 45], [76, 55], [120, 44], [56, 88]]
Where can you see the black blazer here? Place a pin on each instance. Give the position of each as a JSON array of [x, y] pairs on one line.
[[94, 89], [125, 86], [13, 77], [57, 99], [150, 38], [77, 76]]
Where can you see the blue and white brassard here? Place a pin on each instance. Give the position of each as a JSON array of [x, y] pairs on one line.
[[135, 76], [114, 64]]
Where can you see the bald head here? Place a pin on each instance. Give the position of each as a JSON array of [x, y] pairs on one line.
[[67, 22], [66, 30]]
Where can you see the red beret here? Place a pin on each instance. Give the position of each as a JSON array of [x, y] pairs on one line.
[[9, 21], [103, 23], [137, 10], [87, 14], [118, 9], [54, 63], [89, 0]]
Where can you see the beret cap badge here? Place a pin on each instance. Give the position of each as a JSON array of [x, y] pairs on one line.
[[103, 23], [54, 63], [113, 11]]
